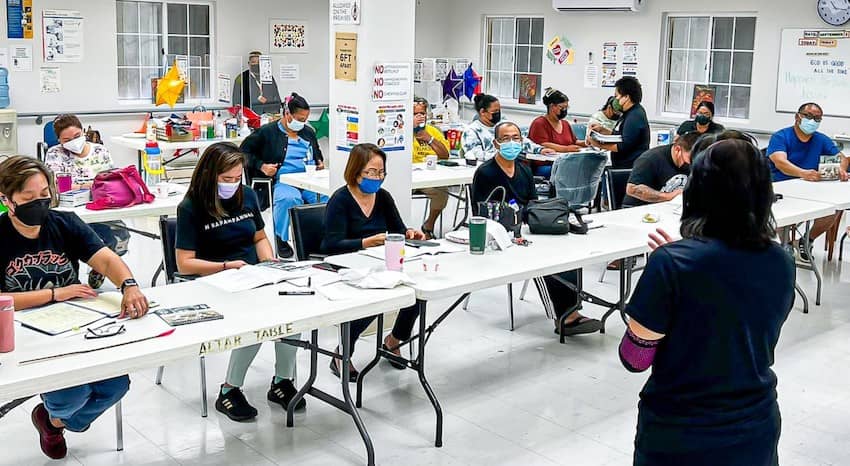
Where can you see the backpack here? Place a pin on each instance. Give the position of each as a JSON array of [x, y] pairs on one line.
[[121, 187]]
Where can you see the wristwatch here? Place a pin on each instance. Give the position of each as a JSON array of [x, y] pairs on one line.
[[431, 141], [128, 283]]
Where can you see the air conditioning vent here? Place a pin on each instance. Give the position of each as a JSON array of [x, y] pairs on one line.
[[597, 5]]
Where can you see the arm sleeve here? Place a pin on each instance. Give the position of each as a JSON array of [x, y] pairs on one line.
[[642, 173], [336, 230], [472, 145], [82, 241], [187, 231], [395, 224], [481, 187], [652, 302], [252, 147], [317, 151], [829, 146], [537, 132], [632, 131], [54, 160], [253, 205], [530, 147], [776, 144]]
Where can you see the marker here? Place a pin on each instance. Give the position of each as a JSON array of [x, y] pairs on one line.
[[296, 293], [309, 282]]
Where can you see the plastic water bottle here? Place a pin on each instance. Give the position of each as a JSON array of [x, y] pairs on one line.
[[4, 88], [150, 129], [309, 161], [153, 164], [219, 126]]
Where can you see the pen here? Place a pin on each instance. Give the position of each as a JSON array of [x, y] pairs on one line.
[[296, 293], [309, 282]]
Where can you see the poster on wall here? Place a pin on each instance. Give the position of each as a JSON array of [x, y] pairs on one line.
[[49, 80], [390, 127], [630, 52], [441, 68], [345, 56], [609, 74], [591, 76], [391, 81], [630, 69], [347, 127], [4, 57], [183, 67], [417, 70], [62, 36], [429, 70], [288, 36], [223, 86], [21, 57], [290, 72], [609, 52], [346, 11], [559, 51], [266, 74], [701, 93], [19, 19], [528, 88]]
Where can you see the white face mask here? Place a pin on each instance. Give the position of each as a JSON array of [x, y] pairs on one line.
[[296, 125], [76, 145]]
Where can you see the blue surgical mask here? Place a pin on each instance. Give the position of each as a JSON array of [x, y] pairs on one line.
[[370, 186], [510, 150], [227, 190], [296, 125], [808, 126]]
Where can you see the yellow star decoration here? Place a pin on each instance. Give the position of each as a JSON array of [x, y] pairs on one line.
[[169, 87]]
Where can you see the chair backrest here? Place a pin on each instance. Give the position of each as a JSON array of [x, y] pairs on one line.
[[168, 235], [49, 135], [576, 177], [618, 178], [308, 229], [580, 130]]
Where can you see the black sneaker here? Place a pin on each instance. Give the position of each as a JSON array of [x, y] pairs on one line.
[[802, 252], [96, 279], [284, 250], [235, 406], [283, 392]]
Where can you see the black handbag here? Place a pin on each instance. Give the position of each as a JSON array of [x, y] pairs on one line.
[[501, 212], [549, 217]]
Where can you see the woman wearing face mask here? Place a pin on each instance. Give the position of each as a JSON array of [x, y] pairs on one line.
[[219, 227], [551, 131], [518, 182], [606, 116], [477, 139], [633, 126], [40, 256], [359, 216], [83, 160], [702, 122], [281, 147]]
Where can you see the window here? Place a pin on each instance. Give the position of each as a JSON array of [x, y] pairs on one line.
[[151, 34], [513, 47], [712, 50]]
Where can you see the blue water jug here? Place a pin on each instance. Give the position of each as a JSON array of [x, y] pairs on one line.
[[4, 88]]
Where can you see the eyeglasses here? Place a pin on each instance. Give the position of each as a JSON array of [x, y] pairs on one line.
[[420, 113], [507, 139], [105, 331], [373, 173], [812, 117]]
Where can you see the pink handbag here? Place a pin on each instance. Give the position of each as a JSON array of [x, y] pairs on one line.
[[121, 187]]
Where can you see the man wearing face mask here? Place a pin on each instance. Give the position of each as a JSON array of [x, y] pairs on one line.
[[516, 178], [795, 152], [660, 174], [249, 91]]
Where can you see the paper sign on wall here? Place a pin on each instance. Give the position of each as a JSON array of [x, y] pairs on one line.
[[630, 52], [62, 35], [345, 56], [609, 52], [392, 81], [266, 74], [223, 85], [290, 72], [19, 19], [609, 74], [50, 80], [347, 127], [346, 11], [390, 127], [591, 76], [21, 57]]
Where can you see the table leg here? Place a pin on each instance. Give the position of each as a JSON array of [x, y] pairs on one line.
[[814, 267], [345, 343], [119, 427], [379, 339], [419, 366], [802, 295], [308, 385]]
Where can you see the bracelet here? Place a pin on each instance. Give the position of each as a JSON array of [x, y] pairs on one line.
[[224, 266], [52, 295], [431, 141]]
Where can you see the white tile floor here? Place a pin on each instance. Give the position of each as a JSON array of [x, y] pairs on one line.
[[508, 397]]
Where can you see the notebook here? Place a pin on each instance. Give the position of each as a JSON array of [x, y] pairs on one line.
[[255, 276], [185, 315], [57, 318], [829, 167], [606, 138]]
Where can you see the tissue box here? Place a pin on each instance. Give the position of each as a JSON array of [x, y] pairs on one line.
[[75, 198]]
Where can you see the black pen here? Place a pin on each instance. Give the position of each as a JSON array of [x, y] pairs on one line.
[[309, 282], [296, 293]]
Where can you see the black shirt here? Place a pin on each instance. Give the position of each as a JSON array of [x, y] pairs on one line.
[[655, 168], [230, 238], [346, 226], [633, 126], [50, 261], [268, 144], [691, 126], [721, 309], [489, 176]]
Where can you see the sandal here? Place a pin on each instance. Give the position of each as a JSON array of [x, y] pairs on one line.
[[397, 352], [352, 372], [580, 326]]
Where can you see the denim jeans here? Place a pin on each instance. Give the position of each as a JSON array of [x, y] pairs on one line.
[[77, 407]]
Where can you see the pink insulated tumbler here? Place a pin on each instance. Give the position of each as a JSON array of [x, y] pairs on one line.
[[64, 182], [7, 324], [394, 252]]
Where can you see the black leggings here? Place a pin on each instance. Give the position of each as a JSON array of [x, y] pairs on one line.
[[402, 329], [563, 298]]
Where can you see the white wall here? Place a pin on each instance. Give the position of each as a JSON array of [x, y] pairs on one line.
[[240, 26], [588, 30]]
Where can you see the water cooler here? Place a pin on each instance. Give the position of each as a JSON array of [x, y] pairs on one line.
[[8, 132]]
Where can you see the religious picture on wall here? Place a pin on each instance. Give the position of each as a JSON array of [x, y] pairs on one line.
[[528, 84], [702, 93], [288, 36]]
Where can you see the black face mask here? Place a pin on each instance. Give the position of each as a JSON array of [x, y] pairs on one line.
[[33, 213], [496, 117], [615, 117], [702, 119], [562, 114]]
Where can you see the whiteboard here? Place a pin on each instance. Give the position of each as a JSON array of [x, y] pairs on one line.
[[813, 67]]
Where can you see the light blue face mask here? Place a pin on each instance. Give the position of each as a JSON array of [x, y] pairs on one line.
[[808, 125], [370, 186], [296, 125], [510, 150]]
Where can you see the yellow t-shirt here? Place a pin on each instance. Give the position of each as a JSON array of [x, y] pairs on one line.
[[422, 150]]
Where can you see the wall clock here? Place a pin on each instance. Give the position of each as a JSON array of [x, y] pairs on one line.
[[834, 12]]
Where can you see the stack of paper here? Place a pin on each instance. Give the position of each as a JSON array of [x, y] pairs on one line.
[[411, 253], [606, 138]]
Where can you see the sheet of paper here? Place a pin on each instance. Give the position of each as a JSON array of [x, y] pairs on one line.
[[266, 75], [62, 33], [591, 76], [108, 303], [411, 253], [57, 318], [290, 72], [50, 80], [21, 56], [254, 276], [337, 291]]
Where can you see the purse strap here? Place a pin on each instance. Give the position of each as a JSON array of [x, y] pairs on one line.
[[504, 193]]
